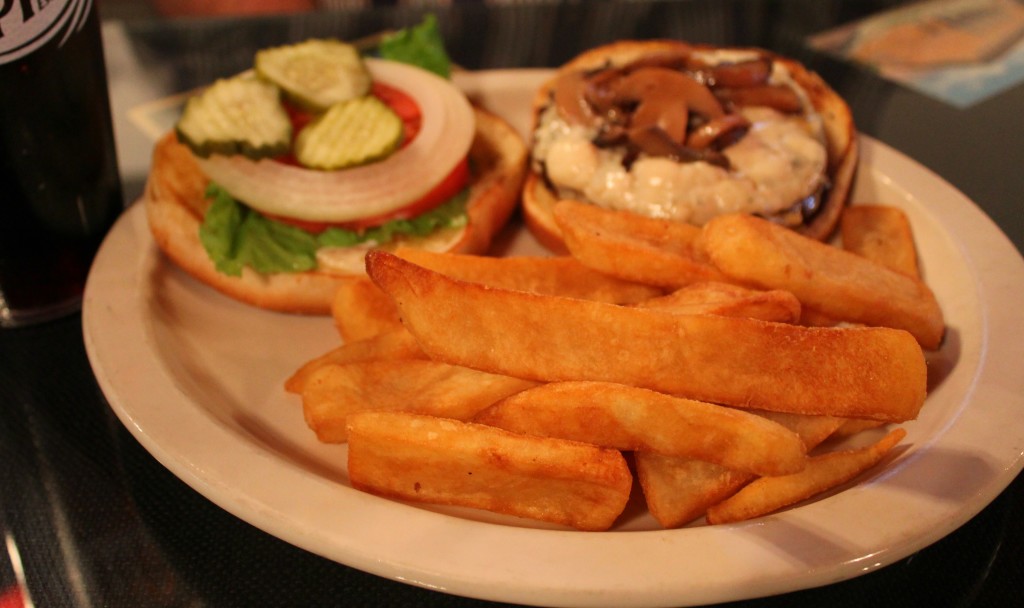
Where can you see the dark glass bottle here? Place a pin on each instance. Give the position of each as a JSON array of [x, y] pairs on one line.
[[60, 189]]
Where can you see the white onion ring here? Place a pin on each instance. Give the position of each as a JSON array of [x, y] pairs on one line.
[[446, 132]]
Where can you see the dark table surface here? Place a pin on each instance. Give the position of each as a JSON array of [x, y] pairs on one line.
[[97, 521]]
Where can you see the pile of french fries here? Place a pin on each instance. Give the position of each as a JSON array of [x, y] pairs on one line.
[[715, 367]]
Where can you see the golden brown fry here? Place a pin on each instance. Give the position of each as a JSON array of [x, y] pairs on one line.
[[837, 283], [679, 490], [556, 276], [678, 237], [434, 460], [628, 418], [397, 344], [866, 372], [633, 247], [881, 234], [815, 318], [823, 472], [812, 429], [715, 298], [852, 426], [361, 310], [334, 392]]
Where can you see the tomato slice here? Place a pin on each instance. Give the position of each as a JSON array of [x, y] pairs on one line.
[[403, 105], [445, 190], [442, 192]]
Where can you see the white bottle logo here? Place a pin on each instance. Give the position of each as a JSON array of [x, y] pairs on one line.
[[26, 25]]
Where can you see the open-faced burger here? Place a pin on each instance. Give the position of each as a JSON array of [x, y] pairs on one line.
[[688, 132], [276, 182]]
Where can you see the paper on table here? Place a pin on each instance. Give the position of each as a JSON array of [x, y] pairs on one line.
[[958, 51]]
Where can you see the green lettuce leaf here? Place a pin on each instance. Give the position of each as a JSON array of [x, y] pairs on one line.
[[235, 236], [451, 214], [420, 45]]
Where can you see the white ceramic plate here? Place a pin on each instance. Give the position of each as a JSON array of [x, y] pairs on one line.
[[197, 378]]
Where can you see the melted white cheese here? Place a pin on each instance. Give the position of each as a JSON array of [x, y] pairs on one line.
[[780, 160]]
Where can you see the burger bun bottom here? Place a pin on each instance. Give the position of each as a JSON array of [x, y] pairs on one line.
[[175, 204]]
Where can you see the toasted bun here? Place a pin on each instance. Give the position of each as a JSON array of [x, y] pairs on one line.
[[538, 198], [175, 204]]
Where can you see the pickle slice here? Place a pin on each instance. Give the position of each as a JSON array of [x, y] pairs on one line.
[[240, 115], [354, 132], [315, 74]]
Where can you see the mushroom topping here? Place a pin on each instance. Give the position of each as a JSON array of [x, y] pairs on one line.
[[780, 98], [623, 104], [663, 98], [570, 100], [721, 131], [746, 73], [655, 142], [683, 135]]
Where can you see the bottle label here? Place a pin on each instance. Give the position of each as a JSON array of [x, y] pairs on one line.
[[26, 25]]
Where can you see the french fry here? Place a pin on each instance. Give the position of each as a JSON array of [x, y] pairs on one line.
[[627, 418], [812, 429], [632, 247], [823, 472], [334, 392], [361, 310], [882, 234], [874, 373], [878, 233], [816, 318], [680, 490], [397, 344], [556, 276], [840, 284], [427, 459], [715, 298], [852, 426]]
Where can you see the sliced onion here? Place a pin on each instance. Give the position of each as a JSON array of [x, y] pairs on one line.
[[447, 130]]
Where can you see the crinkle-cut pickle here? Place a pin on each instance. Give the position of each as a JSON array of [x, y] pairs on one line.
[[315, 74], [351, 133], [240, 115]]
